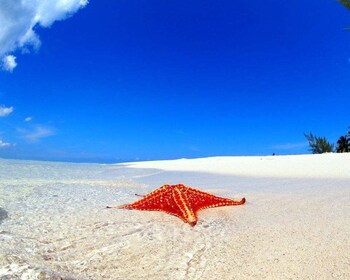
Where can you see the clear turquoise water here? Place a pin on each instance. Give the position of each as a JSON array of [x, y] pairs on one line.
[[58, 226]]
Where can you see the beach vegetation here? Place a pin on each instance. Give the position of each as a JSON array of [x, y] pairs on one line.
[[319, 145], [343, 144], [346, 3]]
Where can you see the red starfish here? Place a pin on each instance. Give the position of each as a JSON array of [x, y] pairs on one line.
[[181, 201]]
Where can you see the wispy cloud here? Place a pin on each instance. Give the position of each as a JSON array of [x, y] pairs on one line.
[[28, 119], [289, 146], [5, 144], [5, 111], [18, 21], [37, 133], [194, 148]]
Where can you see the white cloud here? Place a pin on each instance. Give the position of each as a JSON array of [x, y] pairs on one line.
[[4, 144], [5, 111], [19, 18], [9, 63], [38, 133], [28, 119]]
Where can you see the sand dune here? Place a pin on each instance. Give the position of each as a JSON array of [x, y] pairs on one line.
[[302, 166]]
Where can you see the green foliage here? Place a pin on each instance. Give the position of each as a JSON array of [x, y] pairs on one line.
[[319, 145], [346, 3], [343, 144]]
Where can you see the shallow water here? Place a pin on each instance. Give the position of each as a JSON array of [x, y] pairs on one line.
[[3, 214], [58, 227]]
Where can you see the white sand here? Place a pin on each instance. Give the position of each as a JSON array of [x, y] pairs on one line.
[[295, 225], [295, 166]]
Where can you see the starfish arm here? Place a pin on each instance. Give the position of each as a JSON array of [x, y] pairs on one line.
[[158, 200], [138, 204], [184, 205], [229, 202], [201, 200]]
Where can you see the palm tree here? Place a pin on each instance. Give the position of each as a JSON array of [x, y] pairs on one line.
[[346, 3], [343, 144]]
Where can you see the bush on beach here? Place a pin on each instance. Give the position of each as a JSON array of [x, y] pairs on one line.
[[320, 145]]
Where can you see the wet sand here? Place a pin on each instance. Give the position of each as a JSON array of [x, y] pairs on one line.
[[58, 226]]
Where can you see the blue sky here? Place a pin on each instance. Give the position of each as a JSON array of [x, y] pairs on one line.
[[145, 80]]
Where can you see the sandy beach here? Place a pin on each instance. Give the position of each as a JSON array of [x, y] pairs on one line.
[[295, 225]]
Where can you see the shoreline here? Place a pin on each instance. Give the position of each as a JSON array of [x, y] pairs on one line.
[[289, 228]]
